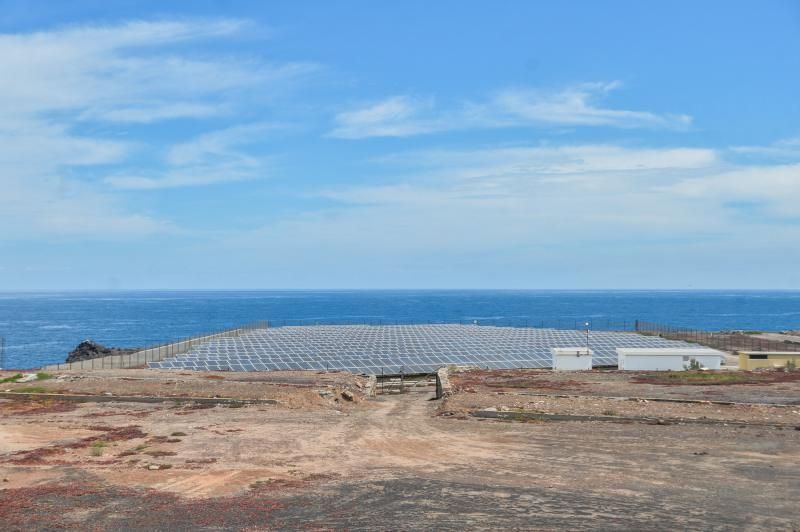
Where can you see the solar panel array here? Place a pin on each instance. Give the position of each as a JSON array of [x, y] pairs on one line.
[[396, 349]]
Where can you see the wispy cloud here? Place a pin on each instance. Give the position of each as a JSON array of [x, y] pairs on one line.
[[525, 205], [575, 106], [479, 201], [155, 112], [782, 149], [211, 158], [67, 92], [775, 187], [403, 116]]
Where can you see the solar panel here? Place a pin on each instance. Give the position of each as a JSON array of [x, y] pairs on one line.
[[394, 349]]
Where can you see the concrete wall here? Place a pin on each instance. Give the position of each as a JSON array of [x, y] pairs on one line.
[[749, 360], [571, 358]]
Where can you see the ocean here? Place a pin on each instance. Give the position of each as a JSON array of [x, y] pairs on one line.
[[42, 327]]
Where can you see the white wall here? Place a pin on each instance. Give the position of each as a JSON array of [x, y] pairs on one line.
[[666, 359], [571, 358], [708, 361]]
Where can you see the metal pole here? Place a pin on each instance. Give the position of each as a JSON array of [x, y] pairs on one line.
[[587, 337]]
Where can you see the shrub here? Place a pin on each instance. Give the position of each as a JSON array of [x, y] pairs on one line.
[[97, 448], [31, 389], [694, 365]]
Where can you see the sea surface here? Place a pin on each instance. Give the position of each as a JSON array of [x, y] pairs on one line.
[[42, 327]]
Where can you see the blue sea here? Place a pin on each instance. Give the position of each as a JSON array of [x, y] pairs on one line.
[[42, 327]]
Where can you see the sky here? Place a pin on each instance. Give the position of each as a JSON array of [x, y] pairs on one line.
[[415, 144]]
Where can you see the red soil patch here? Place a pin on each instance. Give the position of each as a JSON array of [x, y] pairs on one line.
[[64, 506], [510, 380], [42, 455], [35, 457], [43, 407], [689, 378]]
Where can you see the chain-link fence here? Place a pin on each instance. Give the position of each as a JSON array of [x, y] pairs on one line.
[[731, 341], [156, 352], [594, 324]]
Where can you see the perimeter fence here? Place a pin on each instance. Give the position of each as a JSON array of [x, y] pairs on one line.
[[549, 323], [157, 352], [724, 340]]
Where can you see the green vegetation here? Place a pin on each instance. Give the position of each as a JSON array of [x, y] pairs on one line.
[[791, 365], [41, 376], [97, 448], [31, 389], [702, 377], [693, 365]]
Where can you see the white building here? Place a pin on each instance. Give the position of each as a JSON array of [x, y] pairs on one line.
[[663, 359], [571, 358]]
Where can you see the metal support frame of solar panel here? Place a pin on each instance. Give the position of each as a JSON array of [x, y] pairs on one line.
[[394, 349]]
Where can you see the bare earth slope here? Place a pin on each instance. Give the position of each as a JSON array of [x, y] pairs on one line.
[[389, 463]]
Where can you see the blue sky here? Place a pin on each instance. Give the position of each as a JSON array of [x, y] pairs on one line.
[[406, 145]]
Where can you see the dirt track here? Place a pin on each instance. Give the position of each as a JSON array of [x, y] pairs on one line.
[[388, 463]]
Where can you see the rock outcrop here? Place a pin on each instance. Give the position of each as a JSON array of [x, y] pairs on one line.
[[89, 349]]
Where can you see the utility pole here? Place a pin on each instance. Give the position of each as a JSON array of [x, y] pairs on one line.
[[2, 352]]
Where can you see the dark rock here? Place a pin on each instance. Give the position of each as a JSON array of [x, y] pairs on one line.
[[89, 349]]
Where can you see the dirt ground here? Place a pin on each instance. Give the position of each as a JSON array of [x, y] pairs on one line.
[[758, 387], [295, 389], [389, 462]]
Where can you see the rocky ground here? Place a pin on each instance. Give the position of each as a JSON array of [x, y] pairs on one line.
[[315, 460]]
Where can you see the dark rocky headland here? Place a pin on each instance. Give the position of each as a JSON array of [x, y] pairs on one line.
[[89, 349]]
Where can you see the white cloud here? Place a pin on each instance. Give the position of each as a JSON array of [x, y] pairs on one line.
[[782, 149], [148, 113], [776, 188], [458, 203], [397, 116], [573, 107], [403, 116], [211, 158], [559, 209], [65, 91]]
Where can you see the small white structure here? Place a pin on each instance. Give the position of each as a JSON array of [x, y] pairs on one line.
[[571, 358], [663, 359]]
